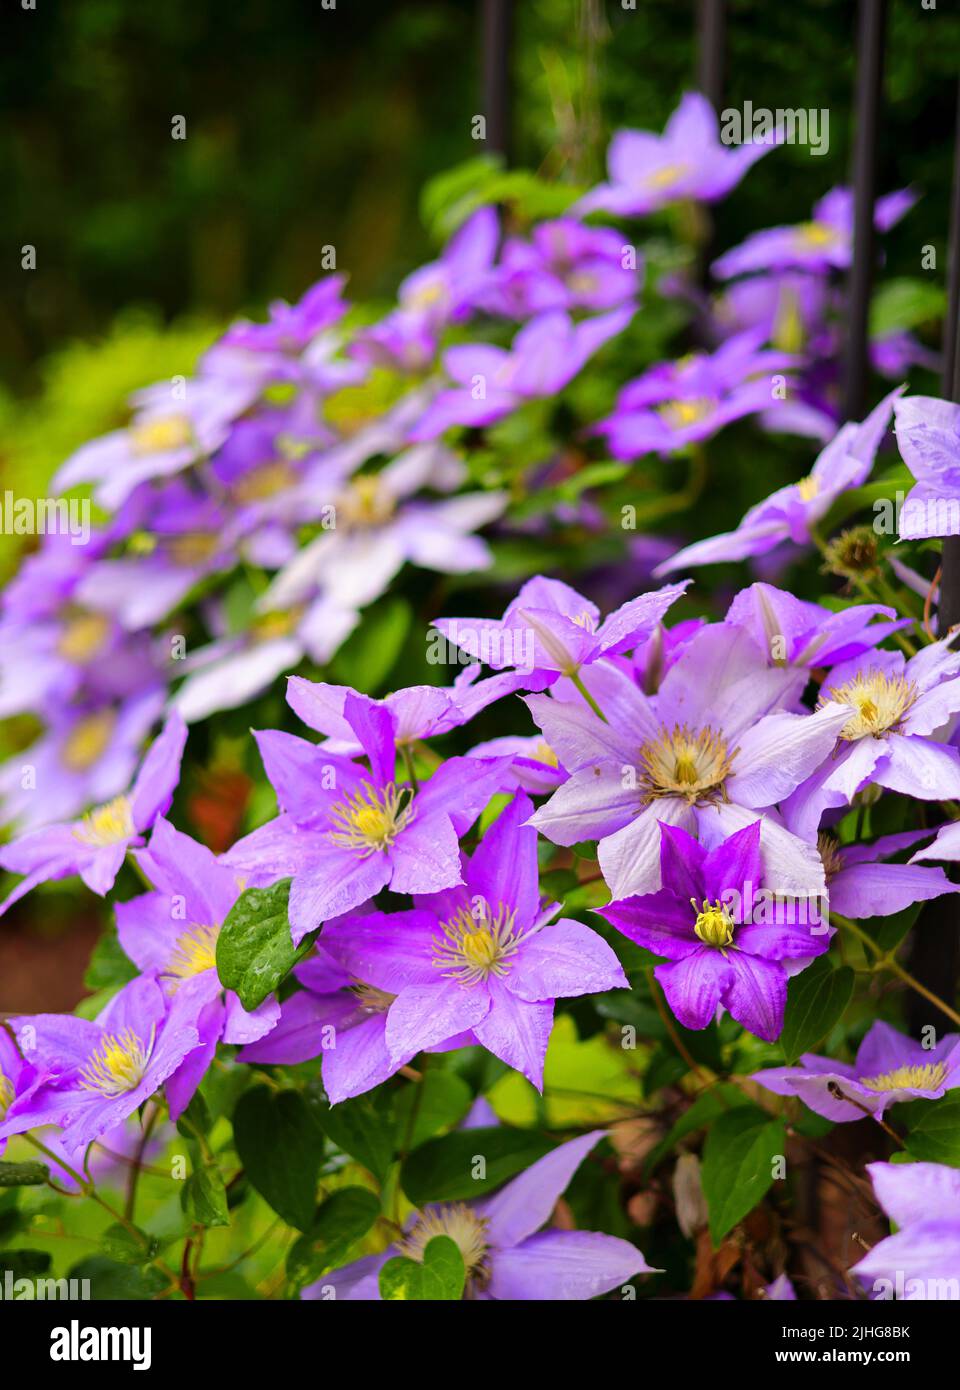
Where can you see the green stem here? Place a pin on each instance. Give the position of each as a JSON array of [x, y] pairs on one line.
[[885, 961], [578, 682]]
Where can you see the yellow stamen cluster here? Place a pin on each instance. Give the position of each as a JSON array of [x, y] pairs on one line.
[[118, 1065], [83, 636], [918, 1078], [714, 925], [829, 850], [108, 824], [545, 754], [879, 703], [817, 234], [467, 1231], [192, 548], [7, 1094], [664, 177], [471, 951], [370, 820], [267, 627], [679, 414], [157, 436], [684, 763], [808, 488], [195, 952], [87, 741], [264, 481], [365, 503], [371, 999]]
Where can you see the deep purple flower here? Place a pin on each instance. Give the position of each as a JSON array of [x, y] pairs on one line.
[[824, 242], [564, 265], [95, 847], [713, 750], [788, 514], [796, 633], [95, 1074], [688, 161], [922, 1260], [506, 1254], [346, 831], [172, 935], [890, 1068], [727, 940], [484, 957]]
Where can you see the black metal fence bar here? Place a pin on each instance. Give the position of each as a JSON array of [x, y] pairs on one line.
[[711, 46], [497, 34], [871, 25]]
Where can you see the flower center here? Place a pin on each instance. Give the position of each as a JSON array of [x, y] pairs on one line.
[[545, 754], [371, 820], [195, 952], [371, 999], [714, 925], [665, 176], [157, 436], [119, 1063], [808, 488], [192, 548], [366, 502], [7, 1094], [267, 627], [683, 763], [817, 234], [467, 1231], [87, 740], [919, 1078], [679, 414], [108, 824], [471, 950], [879, 703], [266, 480], [83, 636], [829, 851]]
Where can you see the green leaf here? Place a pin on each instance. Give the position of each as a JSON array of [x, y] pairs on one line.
[[196, 1119], [110, 1281], [26, 1264], [204, 1196], [816, 999], [904, 303], [341, 1220], [120, 1244], [367, 657], [440, 1276], [254, 949], [738, 1165], [439, 1101], [109, 966], [706, 1108], [23, 1174], [365, 1128], [933, 1129], [469, 1162], [280, 1146]]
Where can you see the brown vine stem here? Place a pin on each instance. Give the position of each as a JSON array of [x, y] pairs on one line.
[[885, 961]]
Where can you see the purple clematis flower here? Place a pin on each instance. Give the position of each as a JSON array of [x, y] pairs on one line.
[[894, 707], [484, 957], [564, 265], [96, 846], [860, 885], [922, 1260], [172, 935], [95, 1074], [675, 404], [825, 242], [505, 1252], [928, 437], [713, 750], [788, 514], [804, 634], [417, 712], [545, 356], [549, 630], [890, 1068], [18, 1079], [688, 161], [346, 831], [534, 767], [727, 942]]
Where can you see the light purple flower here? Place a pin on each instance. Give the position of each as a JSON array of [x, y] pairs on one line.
[[346, 831], [895, 709], [564, 265], [546, 355], [688, 161], [172, 934], [96, 846], [712, 751], [922, 1260], [95, 1074], [788, 514], [860, 885], [725, 943], [506, 1254], [796, 633], [928, 437], [823, 243], [890, 1068]]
